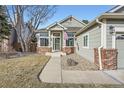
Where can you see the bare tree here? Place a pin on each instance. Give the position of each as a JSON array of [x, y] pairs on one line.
[[26, 20]]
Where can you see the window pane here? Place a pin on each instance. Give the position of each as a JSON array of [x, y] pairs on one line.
[[44, 34], [70, 42], [85, 41], [43, 41], [70, 34], [56, 34]]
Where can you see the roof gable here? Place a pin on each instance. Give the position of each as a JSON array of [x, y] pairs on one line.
[[68, 22], [103, 16], [57, 26]]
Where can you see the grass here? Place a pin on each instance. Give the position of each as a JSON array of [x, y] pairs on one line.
[[23, 72]]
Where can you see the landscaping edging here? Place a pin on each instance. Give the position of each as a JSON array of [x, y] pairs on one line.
[[38, 76]]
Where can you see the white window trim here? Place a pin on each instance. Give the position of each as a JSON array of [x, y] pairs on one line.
[[56, 37], [71, 37], [87, 47], [117, 29], [74, 42], [43, 37]]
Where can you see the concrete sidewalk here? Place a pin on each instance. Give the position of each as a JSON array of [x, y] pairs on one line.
[[53, 73], [87, 77]]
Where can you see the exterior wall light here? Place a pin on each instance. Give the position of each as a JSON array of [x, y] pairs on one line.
[[111, 29]]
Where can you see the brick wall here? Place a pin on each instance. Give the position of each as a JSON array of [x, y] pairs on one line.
[[43, 49], [109, 58], [68, 50]]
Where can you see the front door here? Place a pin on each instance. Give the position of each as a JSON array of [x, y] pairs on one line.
[[56, 44]]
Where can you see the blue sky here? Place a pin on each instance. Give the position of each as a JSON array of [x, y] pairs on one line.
[[88, 12]]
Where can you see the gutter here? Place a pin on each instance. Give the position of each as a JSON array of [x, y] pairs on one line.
[[103, 16], [102, 45]]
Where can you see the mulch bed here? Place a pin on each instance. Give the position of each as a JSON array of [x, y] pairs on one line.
[[83, 64]]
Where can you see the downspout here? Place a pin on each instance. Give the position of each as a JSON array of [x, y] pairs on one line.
[[100, 57], [101, 46]]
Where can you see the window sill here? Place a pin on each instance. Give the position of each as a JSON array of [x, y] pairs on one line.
[[69, 46], [86, 47], [43, 46]]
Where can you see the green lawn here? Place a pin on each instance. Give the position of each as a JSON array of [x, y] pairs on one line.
[[24, 71]]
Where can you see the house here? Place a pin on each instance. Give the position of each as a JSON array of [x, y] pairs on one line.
[[4, 46], [104, 32], [59, 36]]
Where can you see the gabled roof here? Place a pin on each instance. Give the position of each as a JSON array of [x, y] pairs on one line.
[[59, 23], [114, 9], [55, 25], [103, 16], [69, 18], [107, 15]]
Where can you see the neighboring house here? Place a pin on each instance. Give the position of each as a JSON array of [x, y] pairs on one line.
[[106, 31], [4, 47], [60, 36]]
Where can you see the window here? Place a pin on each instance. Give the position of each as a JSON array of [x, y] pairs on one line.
[[70, 34], [85, 41], [119, 37], [44, 40], [70, 41], [56, 34], [45, 34]]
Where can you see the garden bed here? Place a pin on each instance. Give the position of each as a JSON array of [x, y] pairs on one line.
[[83, 64]]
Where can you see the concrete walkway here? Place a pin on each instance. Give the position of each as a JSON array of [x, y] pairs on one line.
[[53, 73]]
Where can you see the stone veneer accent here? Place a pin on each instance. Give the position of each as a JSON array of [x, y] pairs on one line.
[[43, 49], [109, 58], [68, 50]]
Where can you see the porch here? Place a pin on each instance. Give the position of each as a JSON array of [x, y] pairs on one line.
[[55, 40]]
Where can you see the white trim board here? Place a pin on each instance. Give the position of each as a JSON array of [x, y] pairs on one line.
[[119, 29], [87, 47]]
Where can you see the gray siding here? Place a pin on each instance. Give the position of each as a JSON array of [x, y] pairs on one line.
[[72, 23], [94, 42], [115, 23]]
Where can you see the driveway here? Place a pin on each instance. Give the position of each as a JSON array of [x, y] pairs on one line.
[[53, 73]]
